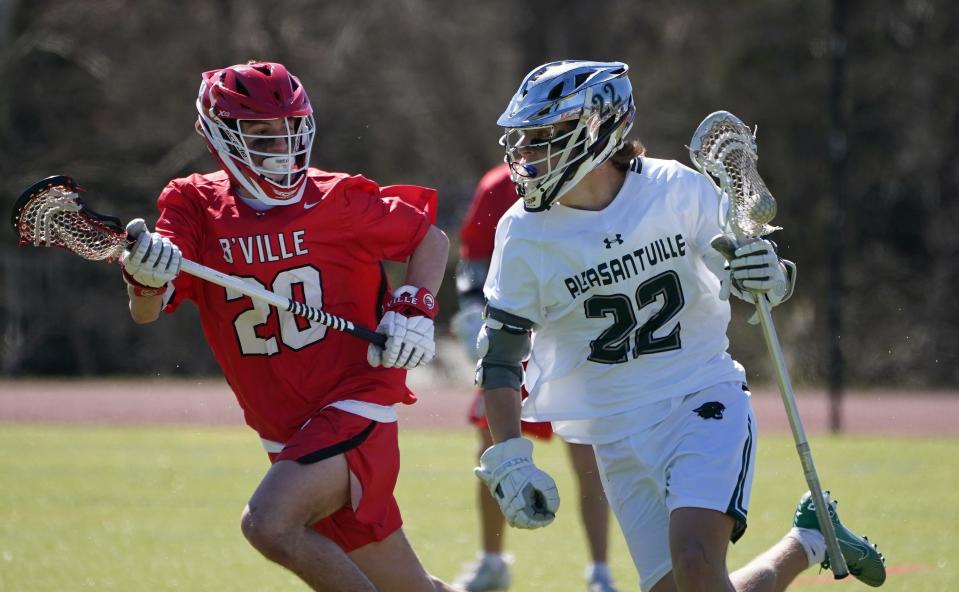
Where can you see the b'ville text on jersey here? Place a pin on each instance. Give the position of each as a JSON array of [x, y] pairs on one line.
[[262, 248], [626, 266]]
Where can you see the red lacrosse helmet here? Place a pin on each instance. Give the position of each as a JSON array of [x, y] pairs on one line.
[[260, 91]]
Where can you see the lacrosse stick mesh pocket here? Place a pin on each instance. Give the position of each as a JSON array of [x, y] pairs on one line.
[[725, 149], [53, 215]]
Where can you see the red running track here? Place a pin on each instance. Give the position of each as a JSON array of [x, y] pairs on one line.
[[209, 401]]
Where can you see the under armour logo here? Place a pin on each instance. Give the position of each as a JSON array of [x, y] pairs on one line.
[[618, 239], [711, 410]]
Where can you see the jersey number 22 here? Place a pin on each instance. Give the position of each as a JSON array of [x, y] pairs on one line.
[[612, 346]]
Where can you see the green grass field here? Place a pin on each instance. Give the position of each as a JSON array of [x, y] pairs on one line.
[[157, 509]]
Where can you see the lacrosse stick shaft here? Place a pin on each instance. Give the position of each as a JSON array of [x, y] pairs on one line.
[[51, 213], [837, 562], [281, 302], [724, 149]]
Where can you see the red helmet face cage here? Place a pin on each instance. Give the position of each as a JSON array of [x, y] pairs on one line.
[[260, 91]]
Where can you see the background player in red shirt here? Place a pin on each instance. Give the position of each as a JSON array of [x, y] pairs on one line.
[[494, 194], [322, 401]]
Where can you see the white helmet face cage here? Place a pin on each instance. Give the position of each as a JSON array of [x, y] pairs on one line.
[[537, 157], [271, 176], [566, 119]]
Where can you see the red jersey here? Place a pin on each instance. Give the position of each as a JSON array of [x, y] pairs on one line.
[[494, 194], [327, 251]]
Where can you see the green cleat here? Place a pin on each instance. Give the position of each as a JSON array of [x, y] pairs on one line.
[[862, 557]]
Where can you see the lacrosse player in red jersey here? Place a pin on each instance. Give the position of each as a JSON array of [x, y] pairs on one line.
[[603, 277], [322, 401], [494, 194]]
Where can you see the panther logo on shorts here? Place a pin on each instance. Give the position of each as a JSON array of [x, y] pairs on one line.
[[711, 410]]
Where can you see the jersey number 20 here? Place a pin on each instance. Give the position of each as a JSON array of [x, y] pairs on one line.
[[300, 283], [612, 345]]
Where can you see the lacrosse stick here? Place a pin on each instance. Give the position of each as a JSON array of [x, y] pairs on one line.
[[724, 150], [50, 213]]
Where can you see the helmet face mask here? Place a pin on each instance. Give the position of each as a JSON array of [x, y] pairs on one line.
[[537, 156], [258, 123], [566, 119], [258, 150]]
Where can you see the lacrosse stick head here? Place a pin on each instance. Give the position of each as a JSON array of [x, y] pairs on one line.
[[50, 213], [723, 148]]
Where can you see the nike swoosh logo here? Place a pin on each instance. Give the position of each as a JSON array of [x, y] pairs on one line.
[[860, 547], [307, 206]]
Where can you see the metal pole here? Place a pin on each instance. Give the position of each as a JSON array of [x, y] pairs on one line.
[[838, 156]]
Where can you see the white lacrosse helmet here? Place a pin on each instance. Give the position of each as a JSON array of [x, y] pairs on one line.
[[566, 119]]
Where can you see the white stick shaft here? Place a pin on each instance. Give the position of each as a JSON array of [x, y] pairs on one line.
[[836, 561], [228, 281], [280, 302]]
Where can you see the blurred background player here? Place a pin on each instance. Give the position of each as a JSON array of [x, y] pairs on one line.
[[494, 194], [604, 277], [322, 401]]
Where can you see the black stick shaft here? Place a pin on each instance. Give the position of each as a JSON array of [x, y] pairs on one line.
[[340, 324]]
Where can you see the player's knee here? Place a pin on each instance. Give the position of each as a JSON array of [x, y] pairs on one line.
[[693, 562], [266, 536]]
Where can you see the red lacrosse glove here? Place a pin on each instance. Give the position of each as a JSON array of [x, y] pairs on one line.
[[411, 301], [408, 325]]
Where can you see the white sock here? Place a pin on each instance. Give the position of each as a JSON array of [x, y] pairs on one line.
[[812, 543], [597, 570], [494, 558]]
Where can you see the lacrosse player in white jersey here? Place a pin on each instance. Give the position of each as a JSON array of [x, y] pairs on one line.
[[603, 277]]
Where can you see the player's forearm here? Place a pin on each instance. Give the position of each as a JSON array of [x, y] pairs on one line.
[[428, 263], [144, 309], [502, 412]]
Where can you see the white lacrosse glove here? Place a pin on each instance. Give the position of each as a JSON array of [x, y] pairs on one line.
[[466, 325], [152, 261], [527, 496], [408, 325], [755, 268]]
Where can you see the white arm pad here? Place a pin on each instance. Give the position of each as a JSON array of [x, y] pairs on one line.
[[502, 349], [466, 325]]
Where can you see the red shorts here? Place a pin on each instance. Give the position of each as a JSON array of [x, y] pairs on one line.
[[542, 430], [372, 455]]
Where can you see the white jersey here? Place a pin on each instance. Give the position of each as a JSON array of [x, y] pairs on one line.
[[625, 302]]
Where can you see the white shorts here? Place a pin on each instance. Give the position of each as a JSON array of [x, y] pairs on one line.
[[700, 456]]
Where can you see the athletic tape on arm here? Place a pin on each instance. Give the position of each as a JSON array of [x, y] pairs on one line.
[[504, 343]]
